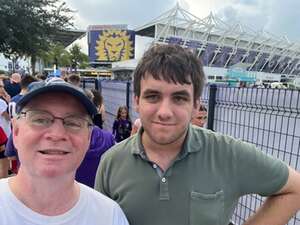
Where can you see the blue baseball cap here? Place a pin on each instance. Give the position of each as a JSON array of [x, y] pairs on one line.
[[53, 85]]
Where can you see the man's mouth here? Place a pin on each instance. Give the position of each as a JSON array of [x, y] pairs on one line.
[[53, 152]]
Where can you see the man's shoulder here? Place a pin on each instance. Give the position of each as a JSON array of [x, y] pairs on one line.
[[121, 149], [4, 188], [97, 198], [215, 142]]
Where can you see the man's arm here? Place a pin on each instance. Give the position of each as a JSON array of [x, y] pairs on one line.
[[279, 208]]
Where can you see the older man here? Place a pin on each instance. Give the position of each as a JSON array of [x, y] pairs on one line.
[[52, 132]]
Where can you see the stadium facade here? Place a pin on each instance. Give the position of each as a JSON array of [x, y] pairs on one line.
[[223, 46]]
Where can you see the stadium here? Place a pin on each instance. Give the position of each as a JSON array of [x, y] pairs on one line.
[[232, 50]]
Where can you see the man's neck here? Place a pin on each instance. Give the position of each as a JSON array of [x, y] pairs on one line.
[[162, 155], [47, 197]]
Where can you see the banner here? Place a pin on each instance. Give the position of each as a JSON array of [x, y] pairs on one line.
[[111, 45]]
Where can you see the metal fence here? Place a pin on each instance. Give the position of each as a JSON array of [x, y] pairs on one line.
[[268, 118]]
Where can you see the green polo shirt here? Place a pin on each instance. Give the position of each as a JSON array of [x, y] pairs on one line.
[[201, 187]]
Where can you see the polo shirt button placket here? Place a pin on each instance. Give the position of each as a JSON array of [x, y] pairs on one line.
[[164, 190]]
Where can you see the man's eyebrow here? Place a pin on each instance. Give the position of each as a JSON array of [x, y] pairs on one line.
[[182, 93], [150, 91]]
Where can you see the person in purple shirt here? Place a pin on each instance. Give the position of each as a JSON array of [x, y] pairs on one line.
[[101, 141], [122, 125]]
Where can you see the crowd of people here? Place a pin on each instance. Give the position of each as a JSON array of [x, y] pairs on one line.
[[163, 168]]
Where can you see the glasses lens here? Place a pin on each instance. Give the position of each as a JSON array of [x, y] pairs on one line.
[[45, 119], [39, 118], [75, 123]]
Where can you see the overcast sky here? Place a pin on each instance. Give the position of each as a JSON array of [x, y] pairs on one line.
[[280, 17]]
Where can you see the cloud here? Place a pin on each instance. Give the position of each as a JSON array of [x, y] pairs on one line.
[[132, 12], [275, 16]]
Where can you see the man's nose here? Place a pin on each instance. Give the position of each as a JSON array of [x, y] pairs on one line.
[[165, 109], [57, 130]]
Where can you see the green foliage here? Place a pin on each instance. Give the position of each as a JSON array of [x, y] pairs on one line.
[[58, 55], [28, 25], [78, 59]]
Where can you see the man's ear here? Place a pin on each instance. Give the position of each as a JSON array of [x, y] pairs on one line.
[[136, 103], [15, 128]]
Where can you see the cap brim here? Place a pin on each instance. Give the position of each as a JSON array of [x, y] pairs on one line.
[[88, 105]]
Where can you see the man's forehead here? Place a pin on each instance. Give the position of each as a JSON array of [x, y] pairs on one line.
[[150, 82]]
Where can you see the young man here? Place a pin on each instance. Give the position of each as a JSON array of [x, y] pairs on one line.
[[52, 136], [175, 173]]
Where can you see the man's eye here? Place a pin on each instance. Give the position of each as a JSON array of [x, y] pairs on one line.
[[41, 121], [180, 99], [74, 123], [151, 98]]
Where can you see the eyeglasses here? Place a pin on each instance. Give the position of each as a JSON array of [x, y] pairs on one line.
[[43, 119]]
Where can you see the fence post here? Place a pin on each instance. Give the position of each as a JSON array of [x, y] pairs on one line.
[[211, 106], [128, 95], [96, 82], [83, 83]]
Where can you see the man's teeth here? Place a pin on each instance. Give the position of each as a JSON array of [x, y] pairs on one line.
[[53, 152]]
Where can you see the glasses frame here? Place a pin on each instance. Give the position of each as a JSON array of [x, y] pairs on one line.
[[24, 114]]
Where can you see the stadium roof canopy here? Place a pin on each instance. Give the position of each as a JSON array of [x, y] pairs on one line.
[[67, 37], [222, 45]]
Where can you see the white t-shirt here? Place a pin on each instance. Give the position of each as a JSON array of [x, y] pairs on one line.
[[5, 124], [92, 208]]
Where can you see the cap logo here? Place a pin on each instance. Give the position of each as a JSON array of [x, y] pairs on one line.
[[54, 80]]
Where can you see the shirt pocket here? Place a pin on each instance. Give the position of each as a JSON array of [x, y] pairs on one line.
[[206, 209]]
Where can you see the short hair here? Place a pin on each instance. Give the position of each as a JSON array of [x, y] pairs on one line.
[[98, 99], [120, 109], [202, 108], [170, 63], [26, 80], [74, 79]]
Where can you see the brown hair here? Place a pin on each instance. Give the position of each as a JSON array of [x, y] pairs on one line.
[[120, 110], [170, 63]]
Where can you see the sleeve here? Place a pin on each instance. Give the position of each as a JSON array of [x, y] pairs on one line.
[[3, 106], [3, 137], [114, 128], [10, 149], [257, 172]]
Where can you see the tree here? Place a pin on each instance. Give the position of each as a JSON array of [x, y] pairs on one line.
[[57, 54], [29, 25], [78, 59]]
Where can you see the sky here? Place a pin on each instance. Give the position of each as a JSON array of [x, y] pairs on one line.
[[279, 17]]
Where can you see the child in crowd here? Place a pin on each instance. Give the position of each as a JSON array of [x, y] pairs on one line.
[[122, 125], [101, 141]]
